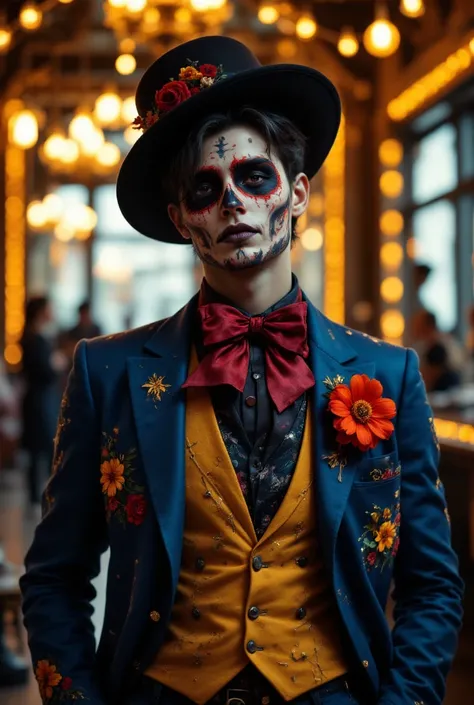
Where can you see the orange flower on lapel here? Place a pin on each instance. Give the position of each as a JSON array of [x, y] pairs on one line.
[[362, 414]]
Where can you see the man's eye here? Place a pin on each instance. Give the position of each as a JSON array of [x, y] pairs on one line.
[[203, 189], [255, 178]]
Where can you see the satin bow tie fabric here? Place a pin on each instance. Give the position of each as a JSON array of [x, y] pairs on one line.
[[226, 336]]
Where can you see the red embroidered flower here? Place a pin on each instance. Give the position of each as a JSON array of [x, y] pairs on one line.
[[66, 683], [171, 95], [112, 504], [371, 558], [397, 519], [136, 509], [395, 547], [105, 452], [208, 70], [195, 90], [362, 414]]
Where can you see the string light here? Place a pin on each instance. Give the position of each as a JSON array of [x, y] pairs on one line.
[[23, 129], [391, 184], [348, 44], [125, 64], [391, 289], [412, 8], [107, 108], [129, 110], [391, 223], [268, 14], [30, 17], [391, 152], [381, 38], [312, 239], [306, 27], [5, 39]]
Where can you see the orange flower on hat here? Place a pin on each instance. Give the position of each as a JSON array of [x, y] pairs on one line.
[[189, 73], [362, 414]]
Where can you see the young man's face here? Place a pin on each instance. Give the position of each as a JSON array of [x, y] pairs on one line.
[[238, 213]]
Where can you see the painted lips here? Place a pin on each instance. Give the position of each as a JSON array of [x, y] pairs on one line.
[[237, 233]]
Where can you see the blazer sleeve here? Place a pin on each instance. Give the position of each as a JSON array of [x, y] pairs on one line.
[[428, 590], [65, 553]]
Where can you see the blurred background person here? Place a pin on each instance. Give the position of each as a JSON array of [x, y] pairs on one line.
[[13, 669], [85, 327], [42, 366], [441, 356]]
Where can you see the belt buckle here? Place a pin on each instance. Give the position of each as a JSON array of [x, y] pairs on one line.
[[236, 699]]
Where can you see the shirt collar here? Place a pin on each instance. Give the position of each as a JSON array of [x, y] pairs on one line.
[[208, 295]]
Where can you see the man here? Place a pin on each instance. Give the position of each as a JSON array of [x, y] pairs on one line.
[[256, 489], [85, 326]]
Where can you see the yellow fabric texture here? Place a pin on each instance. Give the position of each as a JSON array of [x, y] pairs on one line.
[[206, 643]]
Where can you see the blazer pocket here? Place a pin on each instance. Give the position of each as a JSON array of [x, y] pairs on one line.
[[378, 470]]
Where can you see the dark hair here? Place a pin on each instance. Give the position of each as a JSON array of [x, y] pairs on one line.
[[437, 355], [34, 307], [423, 269], [279, 133], [84, 307]]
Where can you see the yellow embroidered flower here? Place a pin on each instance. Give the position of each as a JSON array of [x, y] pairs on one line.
[[190, 74], [47, 678], [385, 536], [155, 386], [375, 516], [387, 513], [112, 479]]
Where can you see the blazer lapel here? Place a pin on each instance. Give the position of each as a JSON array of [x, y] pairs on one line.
[[159, 410], [330, 355]]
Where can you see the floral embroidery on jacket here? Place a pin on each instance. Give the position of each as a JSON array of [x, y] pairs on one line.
[[376, 474], [123, 497], [53, 687], [380, 540]]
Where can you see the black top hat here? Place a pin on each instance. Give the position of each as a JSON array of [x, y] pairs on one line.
[[214, 74]]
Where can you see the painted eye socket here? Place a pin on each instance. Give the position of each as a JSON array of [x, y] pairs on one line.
[[255, 178], [203, 189]]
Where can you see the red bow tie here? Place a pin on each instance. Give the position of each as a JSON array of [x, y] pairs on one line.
[[226, 334]]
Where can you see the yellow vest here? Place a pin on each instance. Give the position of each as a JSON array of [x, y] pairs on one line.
[[240, 599]]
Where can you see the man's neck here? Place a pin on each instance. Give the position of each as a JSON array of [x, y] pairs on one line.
[[255, 289]]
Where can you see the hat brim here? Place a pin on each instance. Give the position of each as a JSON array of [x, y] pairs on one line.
[[303, 95]]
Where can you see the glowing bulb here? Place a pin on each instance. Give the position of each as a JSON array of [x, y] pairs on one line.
[[64, 232], [125, 64], [66, 2], [391, 184], [312, 239], [117, 3], [127, 46], [36, 215], [381, 38], [183, 15], [200, 5], [391, 223], [54, 207], [268, 14], [93, 143], [107, 108], [5, 39], [131, 135], [392, 323], [81, 126], [30, 17], [24, 129], [412, 8], [391, 152], [69, 152], [135, 5], [108, 155], [129, 110], [391, 255], [348, 44], [306, 27], [391, 289], [151, 18], [53, 146]]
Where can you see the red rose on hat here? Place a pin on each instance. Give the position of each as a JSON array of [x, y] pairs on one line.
[[136, 508], [208, 70], [66, 683], [171, 95]]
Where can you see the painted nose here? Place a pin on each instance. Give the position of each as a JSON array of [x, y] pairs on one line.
[[231, 202]]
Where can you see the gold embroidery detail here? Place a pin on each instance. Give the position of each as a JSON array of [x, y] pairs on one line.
[[331, 384], [365, 664], [155, 386], [155, 616], [336, 460]]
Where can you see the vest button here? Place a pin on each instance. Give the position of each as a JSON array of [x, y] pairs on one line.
[[257, 563], [200, 564], [250, 401], [196, 613], [155, 616], [302, 561], [253, 613], [251, 646], [300, 613]]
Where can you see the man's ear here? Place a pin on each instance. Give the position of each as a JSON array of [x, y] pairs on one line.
[[177, 220], [300, 195]]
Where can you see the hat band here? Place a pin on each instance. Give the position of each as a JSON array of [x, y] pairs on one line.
[[193, 79]]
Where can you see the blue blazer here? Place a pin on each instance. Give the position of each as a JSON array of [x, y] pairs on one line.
[[109, 411]]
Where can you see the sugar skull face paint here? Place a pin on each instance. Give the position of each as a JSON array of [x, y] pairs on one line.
[[239, 208]]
